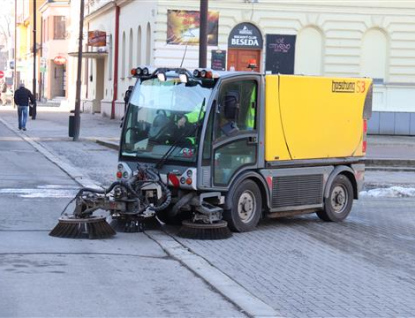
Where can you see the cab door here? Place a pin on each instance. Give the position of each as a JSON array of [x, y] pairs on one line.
[[234, 130]]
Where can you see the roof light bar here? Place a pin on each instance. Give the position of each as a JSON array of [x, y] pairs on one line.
[[205, 74], [141, 71]]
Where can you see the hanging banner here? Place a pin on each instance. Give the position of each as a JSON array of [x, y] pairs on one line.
[[97, 38], [280, 53], [218, 60], [245, 36], [183, 27]]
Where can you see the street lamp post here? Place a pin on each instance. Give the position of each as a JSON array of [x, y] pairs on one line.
[[204, 4], [77, 119]]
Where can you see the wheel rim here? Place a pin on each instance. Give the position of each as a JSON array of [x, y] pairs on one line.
[[339, 199], [246, 206]]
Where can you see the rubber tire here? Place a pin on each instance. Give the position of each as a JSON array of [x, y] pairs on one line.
[[232, 216], [329, 214]]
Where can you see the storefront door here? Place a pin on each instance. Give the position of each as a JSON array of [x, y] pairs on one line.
[[245, 45], [238, 59]]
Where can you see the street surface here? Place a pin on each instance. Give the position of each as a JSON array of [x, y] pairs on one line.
[[300, 266], [41, 276]]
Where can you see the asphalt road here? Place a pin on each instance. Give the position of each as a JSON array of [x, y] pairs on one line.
[[42, 276]]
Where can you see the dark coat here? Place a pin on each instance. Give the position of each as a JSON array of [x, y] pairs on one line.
[[22, 97]]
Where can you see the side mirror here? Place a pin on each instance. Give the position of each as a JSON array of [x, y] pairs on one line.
[[127, 94], [231, 105]]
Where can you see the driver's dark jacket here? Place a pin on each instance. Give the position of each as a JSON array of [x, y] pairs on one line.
[[22, 97]]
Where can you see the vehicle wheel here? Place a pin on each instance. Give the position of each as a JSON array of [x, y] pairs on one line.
[[246, 208], [338, 204]]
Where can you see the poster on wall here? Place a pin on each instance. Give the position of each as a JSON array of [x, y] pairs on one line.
[[183, 27], [280, 53], [218, 60], [97, 38]]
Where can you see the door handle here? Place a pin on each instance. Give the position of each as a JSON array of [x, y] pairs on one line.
[[252, 140]]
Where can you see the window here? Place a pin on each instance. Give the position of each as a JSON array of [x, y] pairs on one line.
[[110, 58], [309, 52], [148, 45], [230, 158], [374, 55], [242, 116], [130, 51], [59, 27], [139, 61], [123, 53]]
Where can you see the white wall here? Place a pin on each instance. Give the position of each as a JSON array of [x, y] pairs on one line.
[[137, 20], [334, 38]]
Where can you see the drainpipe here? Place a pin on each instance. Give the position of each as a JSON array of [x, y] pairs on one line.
[[117, 29]]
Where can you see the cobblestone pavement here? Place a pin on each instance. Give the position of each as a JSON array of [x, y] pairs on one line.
[[303, 267]]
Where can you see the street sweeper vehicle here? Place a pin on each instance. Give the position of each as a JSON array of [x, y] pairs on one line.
[[213, 151]]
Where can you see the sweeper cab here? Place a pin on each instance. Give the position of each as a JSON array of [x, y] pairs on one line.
[[218, 150]]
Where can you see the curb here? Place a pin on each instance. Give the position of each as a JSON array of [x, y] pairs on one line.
[[108, 144], [390, 162], [238, 295]]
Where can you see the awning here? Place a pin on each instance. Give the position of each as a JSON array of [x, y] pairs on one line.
[[90, 55]]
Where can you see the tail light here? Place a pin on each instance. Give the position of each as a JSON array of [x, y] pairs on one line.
[[364, 143]]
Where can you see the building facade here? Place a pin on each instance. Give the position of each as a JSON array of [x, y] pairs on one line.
[[55, 17], [336, 38], [25, 62]]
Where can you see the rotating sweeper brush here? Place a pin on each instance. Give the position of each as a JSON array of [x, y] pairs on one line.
[[206, 222], [132, 204]]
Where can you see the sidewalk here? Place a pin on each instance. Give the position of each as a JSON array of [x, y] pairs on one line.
[[390, 159]]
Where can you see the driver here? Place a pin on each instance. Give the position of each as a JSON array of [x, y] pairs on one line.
[[188, 121], [189, 118]]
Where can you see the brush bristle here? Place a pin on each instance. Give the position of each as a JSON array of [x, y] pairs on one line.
[[91, 228], [216, 231]]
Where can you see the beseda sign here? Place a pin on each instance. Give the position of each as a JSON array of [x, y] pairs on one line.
[[245, 35], [59, 60]]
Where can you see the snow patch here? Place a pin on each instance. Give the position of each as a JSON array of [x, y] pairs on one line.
[[41, 193], [392, 192]]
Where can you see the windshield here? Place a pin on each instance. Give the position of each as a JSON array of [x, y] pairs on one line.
[[164, 117]]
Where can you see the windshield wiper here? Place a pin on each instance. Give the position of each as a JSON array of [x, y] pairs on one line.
[[169, 151]]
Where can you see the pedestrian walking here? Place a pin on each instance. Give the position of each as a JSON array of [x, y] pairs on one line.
[[22, 98]]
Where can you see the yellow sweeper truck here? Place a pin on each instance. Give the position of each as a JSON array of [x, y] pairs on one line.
[[222, 150]]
